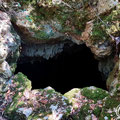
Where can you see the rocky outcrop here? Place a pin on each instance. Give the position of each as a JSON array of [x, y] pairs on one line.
[[112, 103], [113, 81], [20, 102], [44, 28], [99, 46], [45, 51], [87, 103], [9, 44], [24, 103], [54, 21]]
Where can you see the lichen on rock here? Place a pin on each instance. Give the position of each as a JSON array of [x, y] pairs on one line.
[[24, 103], [9, 45], [44, 26], [86, 102]]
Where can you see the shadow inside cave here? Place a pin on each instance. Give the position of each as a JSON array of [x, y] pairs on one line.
[[75, 67]]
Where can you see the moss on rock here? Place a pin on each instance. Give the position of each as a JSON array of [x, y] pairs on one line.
[[109, 110], [105, 25], [18, 85], [94, 93], [26, 104], [86, 102], [113, 81]]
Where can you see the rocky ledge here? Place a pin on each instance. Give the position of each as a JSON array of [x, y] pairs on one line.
[[46, 26]]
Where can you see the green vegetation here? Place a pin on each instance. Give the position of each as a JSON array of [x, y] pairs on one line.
[[21, 83], [94, 93], [111, 104], [105, 25]]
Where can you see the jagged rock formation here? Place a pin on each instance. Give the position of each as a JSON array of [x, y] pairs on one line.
[[9, 44], [50, 22], [113, 81], [46, 51], [45, 26]]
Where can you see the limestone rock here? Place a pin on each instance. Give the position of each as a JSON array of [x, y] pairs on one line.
[[24, 103], [20, 102], [48, 22], [5, 74], [46, 51], [3, 53], [100, 48], [9, 39], [5, 70], [9, 45], [37, 32], [86, 102], [113, 81], [15, 88], [106, 5], [111, 108]]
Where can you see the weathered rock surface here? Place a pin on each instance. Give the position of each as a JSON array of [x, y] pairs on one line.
[[106, 65], [5, 71], [24, 103], [9, 44], [87, 103], [53, 21], [93, 103], [46, 51], [20, 102], [113, 81], [9, 40], [110, 109], [112, 103], [45, 26]]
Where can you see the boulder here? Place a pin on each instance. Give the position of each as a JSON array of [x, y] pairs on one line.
[[9, 40], [26, 104], [53, 21], [86, 103], [9, 45], [47, 25]]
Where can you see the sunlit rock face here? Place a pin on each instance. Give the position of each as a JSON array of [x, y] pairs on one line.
[[99, 46], [5, 32], [106, 5], [112, 102], [9, 40], [5, 70], [53, 21], [45, 104], [9, 43], [86, 103], [20, 102]]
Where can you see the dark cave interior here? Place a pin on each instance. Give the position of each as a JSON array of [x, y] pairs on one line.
[[75, 67]]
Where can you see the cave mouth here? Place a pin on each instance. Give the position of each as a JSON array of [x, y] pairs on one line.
[[75, 67]]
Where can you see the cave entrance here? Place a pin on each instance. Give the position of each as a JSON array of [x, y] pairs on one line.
[[75, 67]]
